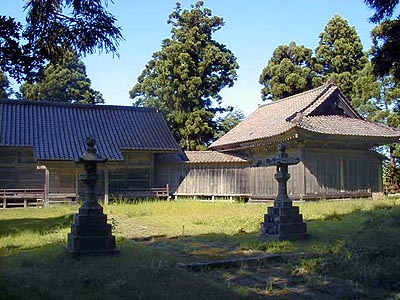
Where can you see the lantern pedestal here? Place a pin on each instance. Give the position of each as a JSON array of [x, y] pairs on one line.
[[90, 233], [283, 221]]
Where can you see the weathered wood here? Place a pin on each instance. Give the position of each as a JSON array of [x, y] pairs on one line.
[[18, 169], [158, 192], [322, 173], [106, 195], [20, 197], [46, 187]]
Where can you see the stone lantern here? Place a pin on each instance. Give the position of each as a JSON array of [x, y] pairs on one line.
[[90, 233], [283, 220]]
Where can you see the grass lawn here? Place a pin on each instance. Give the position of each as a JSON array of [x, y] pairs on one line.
[[352, 253]]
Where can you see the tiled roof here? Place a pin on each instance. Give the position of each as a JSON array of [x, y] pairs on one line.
[[58, 131], [340, 125], [200, 157], [278, 117], [212, 157]]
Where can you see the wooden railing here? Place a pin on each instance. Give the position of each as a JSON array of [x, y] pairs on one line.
[[61, 195], [30, 197], [155, 192], [21, 197]]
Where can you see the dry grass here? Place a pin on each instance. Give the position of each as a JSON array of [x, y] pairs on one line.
[[346, 243]]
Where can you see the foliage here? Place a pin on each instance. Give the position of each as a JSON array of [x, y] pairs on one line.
[[293, 69], [383, 9], [185, 77], [386, 49], [14, 59], [289, 72], [4, 86], [230, 120], [53, 27], [340, 54], [386, 38], [65, 81], [376, 98], [391, 178]]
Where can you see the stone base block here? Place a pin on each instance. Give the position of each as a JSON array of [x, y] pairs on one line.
[[91, 230], [91, 244], [82, 220], [90, 234], [284, 223]]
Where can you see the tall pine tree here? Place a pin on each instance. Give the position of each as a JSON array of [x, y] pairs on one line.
[[185, 77], [340, 54], [386, 38], [290, 71], [376, 98], [63, 82], [52, 28], [4, 86]]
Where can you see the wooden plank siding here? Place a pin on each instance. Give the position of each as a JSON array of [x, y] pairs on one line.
[[321, 173], [338, 171], [204, 179], [134, 172], [18, 169]]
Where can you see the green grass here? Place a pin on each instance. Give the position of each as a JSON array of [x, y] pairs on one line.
[[354, 241]]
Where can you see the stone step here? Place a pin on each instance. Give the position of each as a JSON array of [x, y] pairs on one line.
[[90, 244], [91, 230], [90, 220]]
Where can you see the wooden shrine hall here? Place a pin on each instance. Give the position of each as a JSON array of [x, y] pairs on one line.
[[39, 142]]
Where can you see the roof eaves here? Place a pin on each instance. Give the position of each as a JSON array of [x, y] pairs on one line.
[[383, 139]]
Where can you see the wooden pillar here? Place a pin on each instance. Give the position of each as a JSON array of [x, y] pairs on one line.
[[46, 187], [341, 171], [105, 185], [46, 184], [76, 183], [152, 171]]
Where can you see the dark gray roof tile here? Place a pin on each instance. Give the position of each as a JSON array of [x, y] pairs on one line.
[[57, 131]]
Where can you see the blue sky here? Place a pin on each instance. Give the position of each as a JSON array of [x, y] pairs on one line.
[[253, 29]]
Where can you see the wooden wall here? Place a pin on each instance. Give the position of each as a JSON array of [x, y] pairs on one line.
[[136, 171], [204, 179], [320, 173], [18, 169], [333, 171]]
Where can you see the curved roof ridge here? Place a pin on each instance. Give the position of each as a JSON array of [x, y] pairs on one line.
[[324, 86]]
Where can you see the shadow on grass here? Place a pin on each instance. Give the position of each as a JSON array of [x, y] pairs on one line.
[[39, 225], [348, 256], [143, 272], [138, 272]]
